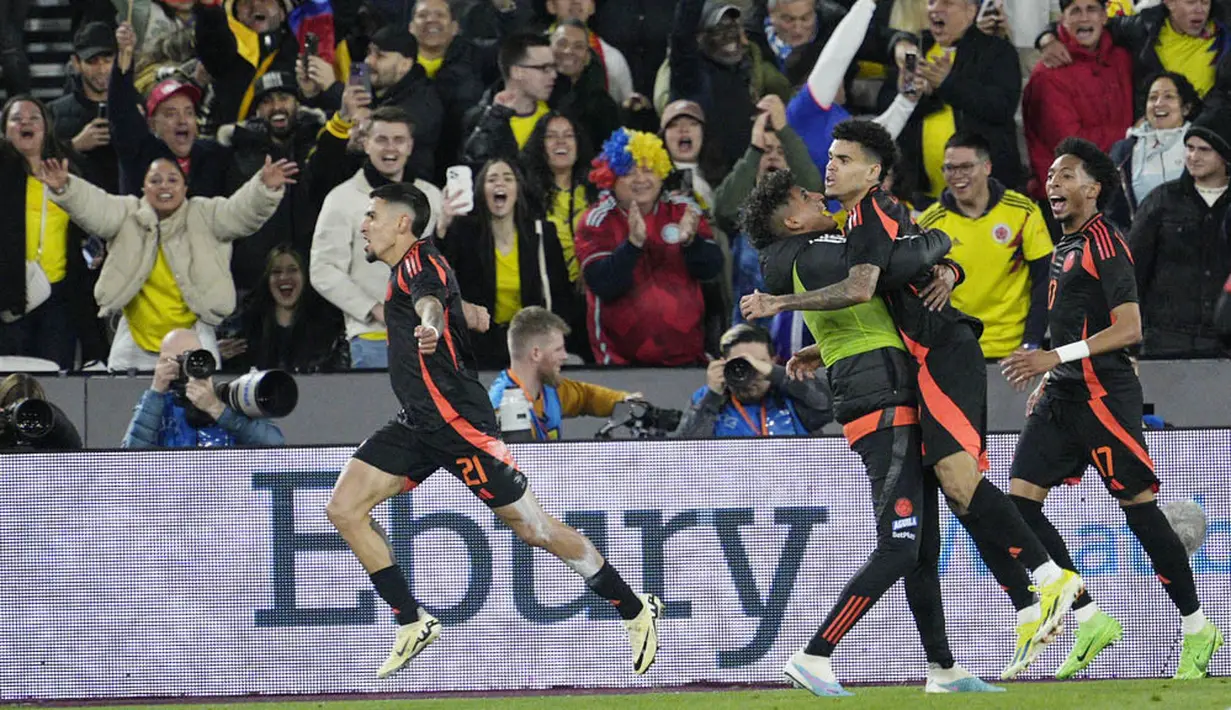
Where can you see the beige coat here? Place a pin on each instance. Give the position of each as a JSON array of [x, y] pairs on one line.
[[195, 239]]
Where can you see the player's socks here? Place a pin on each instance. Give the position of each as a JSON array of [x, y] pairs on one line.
[[1086, 611], [1194, 622], [391, 586], [1166, 552], [1010, 532], [608, 584], [1008, 571], [1032, 513]]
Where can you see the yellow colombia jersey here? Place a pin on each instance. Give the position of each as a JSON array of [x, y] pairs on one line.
[[430, 66], [1194, 57], [523, 126], [158, 308], [993, 250], [938, 128], [53, 256], [508, 284]]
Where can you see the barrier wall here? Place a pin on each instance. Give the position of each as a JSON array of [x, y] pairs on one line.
[[345, 408], [216, 573]]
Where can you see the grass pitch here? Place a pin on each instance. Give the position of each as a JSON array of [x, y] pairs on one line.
[[1210, 694]]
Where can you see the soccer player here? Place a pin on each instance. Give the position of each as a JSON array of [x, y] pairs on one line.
[[874, 398], [1088, 406], [447, 422], [951, 375]]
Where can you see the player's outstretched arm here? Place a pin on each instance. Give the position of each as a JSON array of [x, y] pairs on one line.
[[858, 287], [1124, 331]]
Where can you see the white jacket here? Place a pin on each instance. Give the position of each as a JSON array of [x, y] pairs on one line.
[[619, 76], [196, 240], [339, 269]]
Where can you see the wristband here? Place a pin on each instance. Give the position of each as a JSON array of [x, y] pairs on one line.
[[433, 328], [1073, 351]]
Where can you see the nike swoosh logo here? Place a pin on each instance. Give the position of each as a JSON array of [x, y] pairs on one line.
[[418, 641]]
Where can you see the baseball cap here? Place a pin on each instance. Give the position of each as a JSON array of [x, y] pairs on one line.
[[92, 40], [681, 107], [274, 82], [167, 88], [396, 38], [714, 11]]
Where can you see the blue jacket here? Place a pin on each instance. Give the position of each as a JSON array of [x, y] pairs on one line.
[[545, 429], [160, 423], [791, 408]]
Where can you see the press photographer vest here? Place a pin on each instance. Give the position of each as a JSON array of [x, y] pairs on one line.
[[517, 415]]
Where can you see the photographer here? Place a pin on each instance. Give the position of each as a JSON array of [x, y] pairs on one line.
[[182, 412], [28, 420], [746, 394]]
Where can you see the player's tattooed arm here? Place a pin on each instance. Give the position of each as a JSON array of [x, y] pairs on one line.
[[859, 286]]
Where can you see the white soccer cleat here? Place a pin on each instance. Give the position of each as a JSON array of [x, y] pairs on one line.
[[411, 639], [813, 674], [643, 632], [956, 680]]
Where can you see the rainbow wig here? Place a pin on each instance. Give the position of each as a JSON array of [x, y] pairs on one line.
[[624, 150]]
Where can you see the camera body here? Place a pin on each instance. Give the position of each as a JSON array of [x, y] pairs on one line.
[[193, 365], [642, 421]]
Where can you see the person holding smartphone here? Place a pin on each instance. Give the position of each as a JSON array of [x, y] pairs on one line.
[[80, 118]]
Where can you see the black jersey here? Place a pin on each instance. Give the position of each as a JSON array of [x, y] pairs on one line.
[[1091, 274], [444, 386], [872, 228]]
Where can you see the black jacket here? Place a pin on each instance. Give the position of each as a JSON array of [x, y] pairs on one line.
[[488, 133], [83, 310], [69, 114], [295, 220], [138, 147], [587, 102], [232, 74], [416, 95], [984, 89], [315, 342], [641, 30], [472, 253], [459, 84], [1182, 253], [724, 92]]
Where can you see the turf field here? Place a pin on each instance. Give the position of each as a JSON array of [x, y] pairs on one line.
[[1210, 694]]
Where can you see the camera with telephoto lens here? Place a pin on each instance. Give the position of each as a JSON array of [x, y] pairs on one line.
[[738, 372], [260, 394], [641, 420], [27, 419]]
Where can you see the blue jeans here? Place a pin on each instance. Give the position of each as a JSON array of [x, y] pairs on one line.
[[368, 354]]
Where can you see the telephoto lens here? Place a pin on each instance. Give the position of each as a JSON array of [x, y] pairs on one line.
[[738, 372]]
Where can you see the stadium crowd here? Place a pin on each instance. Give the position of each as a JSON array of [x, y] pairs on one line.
[[181, 103]]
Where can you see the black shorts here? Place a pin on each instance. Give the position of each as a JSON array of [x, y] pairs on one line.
[[952, 381], [475, 457], [891, 458], [1062, 437]]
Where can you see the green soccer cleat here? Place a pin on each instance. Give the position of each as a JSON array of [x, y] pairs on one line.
[[1198, 649], [1093, 635], [1056, 599]]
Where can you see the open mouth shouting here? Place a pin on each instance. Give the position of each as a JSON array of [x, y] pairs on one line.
[[1059, 203], [500, 200], [1086, 34]]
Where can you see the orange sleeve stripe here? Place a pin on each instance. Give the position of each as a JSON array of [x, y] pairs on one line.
[[890, 224]]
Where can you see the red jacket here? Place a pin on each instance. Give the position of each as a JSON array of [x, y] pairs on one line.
[[644, 306], [1091, 98]]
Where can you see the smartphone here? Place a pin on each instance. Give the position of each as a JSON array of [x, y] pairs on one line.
[[909, 69], [311, 44], [686, 182], [359, 76], [459, 180], [102, 110]]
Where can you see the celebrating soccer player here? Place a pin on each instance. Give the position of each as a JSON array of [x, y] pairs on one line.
[[1088, 406], [447, 422], [952, 378], [874, 398]]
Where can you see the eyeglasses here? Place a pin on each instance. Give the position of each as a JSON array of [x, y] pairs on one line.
[[545, 68], [959, 169]]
